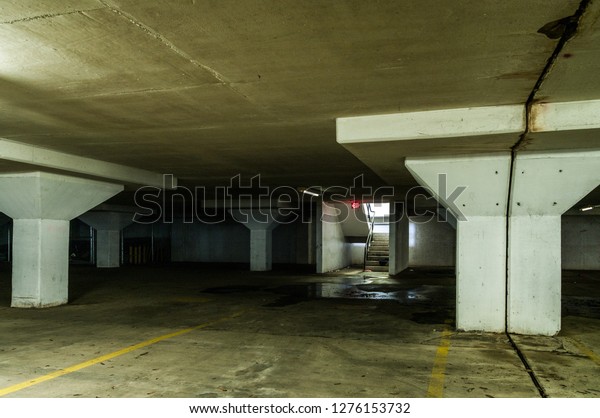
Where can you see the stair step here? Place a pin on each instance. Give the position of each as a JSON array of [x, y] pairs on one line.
[[378, 257], [378, 268], [377, 263]]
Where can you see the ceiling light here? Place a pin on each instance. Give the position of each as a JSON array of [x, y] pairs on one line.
[[308, 192]]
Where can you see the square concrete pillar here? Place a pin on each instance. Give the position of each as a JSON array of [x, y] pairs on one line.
[[108, 226], [261, 251], [261, 223], [40, 262], [108, 248], [545, 185], [42, 205], [398, 239], [475, 190]]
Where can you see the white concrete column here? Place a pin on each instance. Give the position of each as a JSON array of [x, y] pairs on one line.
[[475, 190], [40, 262], [42, 205], [261, 252], [544, 186], [398, 239], [108, 226], [261, 223]]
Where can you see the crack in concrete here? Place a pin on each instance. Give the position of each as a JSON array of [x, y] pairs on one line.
[[567, 34], [567, 28], [534, 379], [151, 32], [136, 92], [47, 16]]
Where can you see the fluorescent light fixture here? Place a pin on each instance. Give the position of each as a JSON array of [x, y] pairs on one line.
[[590, 207], [308, 192]]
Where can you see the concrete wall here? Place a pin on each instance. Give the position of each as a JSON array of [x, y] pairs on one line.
[[229, 242], [431, 244], [581, 242], [357, 254], [220, 243], [333, 252], [291, 244], [354, 221]]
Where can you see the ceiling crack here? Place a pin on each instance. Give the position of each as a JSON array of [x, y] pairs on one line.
[[47, 16], [564, 29], [151, 32]]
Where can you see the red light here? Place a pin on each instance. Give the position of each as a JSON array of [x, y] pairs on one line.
[[355, 205]]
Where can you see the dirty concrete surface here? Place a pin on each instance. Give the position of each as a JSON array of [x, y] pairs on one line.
[[285, 334]]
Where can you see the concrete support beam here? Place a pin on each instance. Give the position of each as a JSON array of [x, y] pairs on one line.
[[475, 190], [42, 205], [544, 186], [108, 226], [446, 123], [398, 238], [42, 157], [261, 223], [565, 116]]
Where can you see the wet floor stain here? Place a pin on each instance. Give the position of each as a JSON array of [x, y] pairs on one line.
[[352, 288]]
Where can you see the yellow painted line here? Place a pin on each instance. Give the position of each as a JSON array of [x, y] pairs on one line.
[[438, 372], [106, 357], [586, 350]]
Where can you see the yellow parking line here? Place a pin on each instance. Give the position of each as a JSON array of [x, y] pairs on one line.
[[438, 372], [77, 367], [586, 350]]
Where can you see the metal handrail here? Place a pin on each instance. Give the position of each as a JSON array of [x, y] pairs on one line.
[[371, 219]]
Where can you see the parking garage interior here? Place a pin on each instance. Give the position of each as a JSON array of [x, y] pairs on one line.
[[294, 199]]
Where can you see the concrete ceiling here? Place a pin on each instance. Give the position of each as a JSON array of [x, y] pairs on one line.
[[209, 89]]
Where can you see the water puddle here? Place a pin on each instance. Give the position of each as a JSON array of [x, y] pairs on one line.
[[365, 291], [353, 288]]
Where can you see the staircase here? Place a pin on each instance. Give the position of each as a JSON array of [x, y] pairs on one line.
[[378, 253]]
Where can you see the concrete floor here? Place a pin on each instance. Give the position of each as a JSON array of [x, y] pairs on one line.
[[284, 334]]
